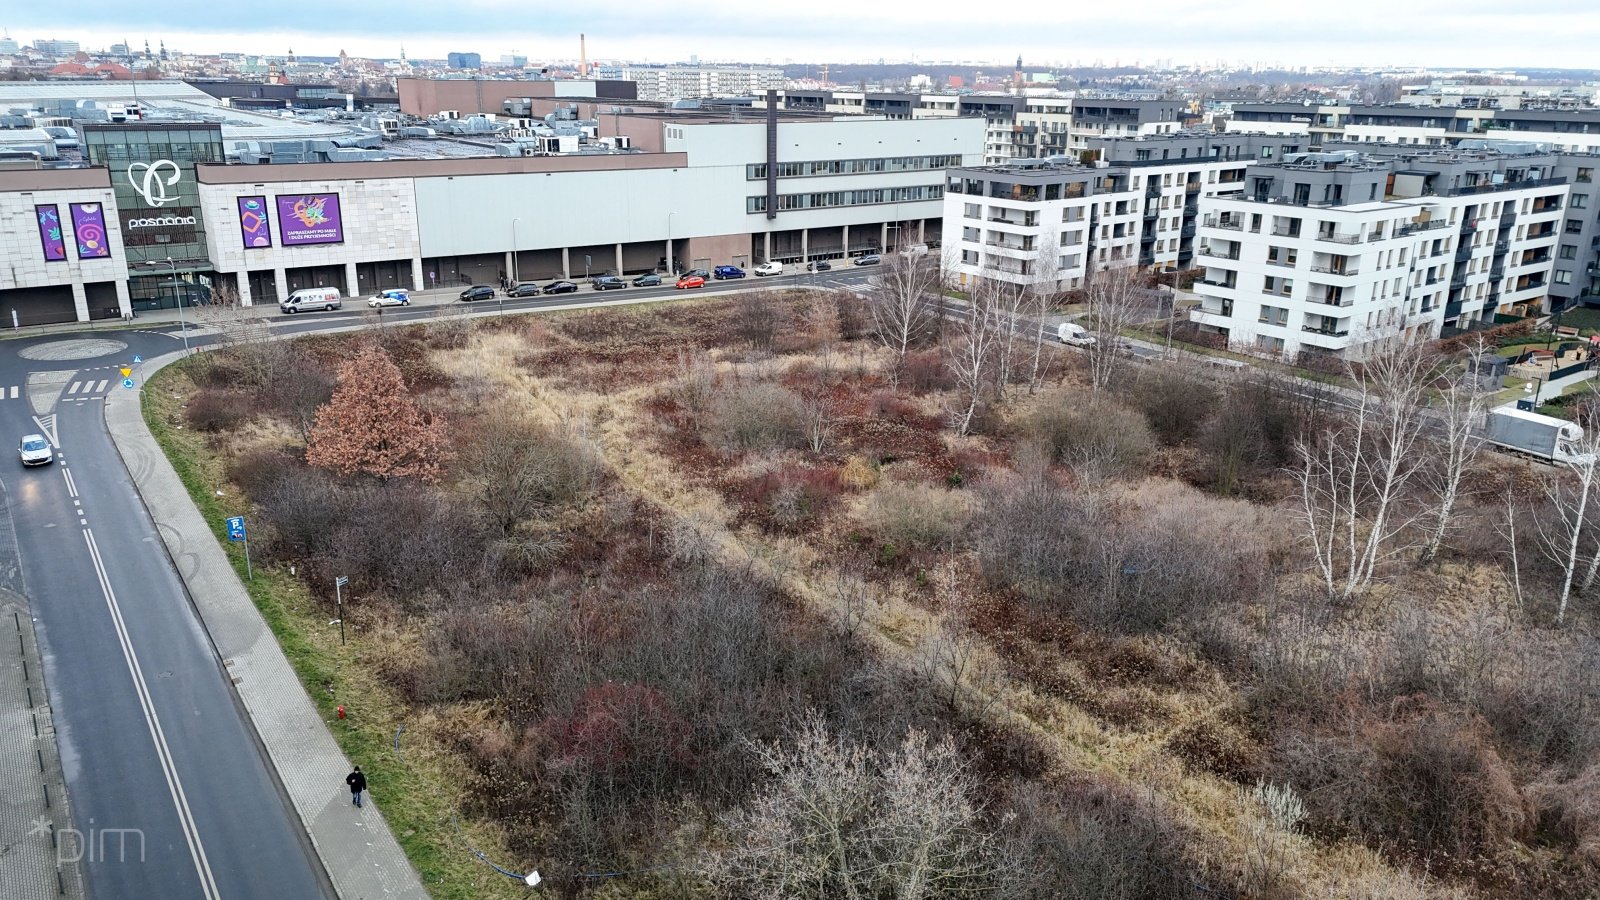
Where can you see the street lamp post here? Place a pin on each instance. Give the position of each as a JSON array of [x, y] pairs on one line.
[[183, 325], [670, 268], [516, 269]]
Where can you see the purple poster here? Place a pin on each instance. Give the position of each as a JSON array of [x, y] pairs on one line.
[[253, 222], [89, 228], [55, 246], [310, 219]]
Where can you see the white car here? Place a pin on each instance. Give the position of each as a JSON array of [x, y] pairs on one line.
[[389, 298], [35, 450], [769, 268]]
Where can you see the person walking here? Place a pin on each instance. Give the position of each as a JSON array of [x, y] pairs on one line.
[[358, 783]]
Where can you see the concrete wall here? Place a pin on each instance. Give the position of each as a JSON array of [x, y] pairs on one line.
[[22, 262]]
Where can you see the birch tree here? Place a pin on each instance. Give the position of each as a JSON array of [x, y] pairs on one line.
[[1459, 420], [1041, 299], [1353, 478], [970, 352], [1115, 304], [901, 306], [1570, 495]]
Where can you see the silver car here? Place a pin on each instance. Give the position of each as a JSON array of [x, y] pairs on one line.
[[35, 450]]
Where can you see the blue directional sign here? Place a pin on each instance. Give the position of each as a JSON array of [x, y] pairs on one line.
[[137, 360], [236, 528], [127, 383]]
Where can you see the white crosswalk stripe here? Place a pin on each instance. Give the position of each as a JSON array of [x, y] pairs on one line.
[[13, 392], [74, 388], [101, 386]]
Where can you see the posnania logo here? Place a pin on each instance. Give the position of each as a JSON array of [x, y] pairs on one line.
[[160, 222], [147, 180]]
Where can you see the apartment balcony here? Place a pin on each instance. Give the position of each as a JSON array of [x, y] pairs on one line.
[[1147, 238], [1282, 263], [1218, 283], [1238, 225], [1014, 246], [1418, 227], [1016, 221], [1464, 252], [1340, 271], [1187, 230], [1191, 187], [1191, 208], [1544, 231], [1286, 232], [1334, 238], [1333, 331], [1151, 211], [1502, 246], [1331, 297], [1203, 316], [1218, 252]]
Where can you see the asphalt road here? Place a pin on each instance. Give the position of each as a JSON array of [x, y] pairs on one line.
[[169, 788]]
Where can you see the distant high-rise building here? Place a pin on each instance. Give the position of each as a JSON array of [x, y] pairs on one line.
[[464, 60], [7, 46], [119, 50], [513, 60], [54, 47]]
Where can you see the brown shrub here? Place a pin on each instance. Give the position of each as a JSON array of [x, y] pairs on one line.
[[755, 415], [925, 372], [213, 409], [1421, 782], [905, 514], [1569, 815], [1176, 402], [1095, 439], [858, 474]]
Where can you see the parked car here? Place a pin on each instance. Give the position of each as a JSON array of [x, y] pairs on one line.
[[478, 292], [722, 272], [393, 297], [697, 273], [819, 265], [649, 279], [607, 283], [323, 298], [35, 450], [691, 281], [769, 268], [524, 289], [868, 259], [561, 287]]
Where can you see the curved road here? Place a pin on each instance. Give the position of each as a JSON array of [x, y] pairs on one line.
[[167, 781]]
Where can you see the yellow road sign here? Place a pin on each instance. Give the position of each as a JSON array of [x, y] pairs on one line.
[[126, 371]]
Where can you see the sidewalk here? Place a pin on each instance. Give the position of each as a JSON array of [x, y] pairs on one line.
[[38, 850], [357, 849]]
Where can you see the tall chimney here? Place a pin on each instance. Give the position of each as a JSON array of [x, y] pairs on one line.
[[583, 57]]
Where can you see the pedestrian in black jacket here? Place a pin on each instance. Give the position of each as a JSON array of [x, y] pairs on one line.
[[358, 783]]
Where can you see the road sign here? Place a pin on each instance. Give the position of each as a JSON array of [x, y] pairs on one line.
[[126, 371], [341, 581], [137, 360], [236, 528], [127, 383]]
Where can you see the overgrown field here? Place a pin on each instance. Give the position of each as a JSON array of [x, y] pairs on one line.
[[740, 598]]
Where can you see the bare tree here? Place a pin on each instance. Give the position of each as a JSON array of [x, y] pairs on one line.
[[970, 353], [1115, 301], [901, 305], [1007, 308], [817, 419], [1353, 477], [1459, 420], [1569, 495], [1041, 300], [838, 819]]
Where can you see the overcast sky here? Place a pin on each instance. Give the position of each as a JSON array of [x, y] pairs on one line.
[[1464, 33]]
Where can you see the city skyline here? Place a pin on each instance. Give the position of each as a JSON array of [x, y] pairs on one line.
[[1361, 33]]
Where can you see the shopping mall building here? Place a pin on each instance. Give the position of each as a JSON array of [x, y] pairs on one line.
[[156, 212]]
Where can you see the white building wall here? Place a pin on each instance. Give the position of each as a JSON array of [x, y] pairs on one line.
[[379, 217], [22, 262]]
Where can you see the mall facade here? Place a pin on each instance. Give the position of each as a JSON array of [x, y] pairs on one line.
[[156, 217]]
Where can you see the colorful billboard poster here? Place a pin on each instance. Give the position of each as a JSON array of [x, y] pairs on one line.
[[50, 236], [89, 228], [253, 222], [310, 219]]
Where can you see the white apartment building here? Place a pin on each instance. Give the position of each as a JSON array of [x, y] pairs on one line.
[[1327, 252], [1040, 222], [687, 82]]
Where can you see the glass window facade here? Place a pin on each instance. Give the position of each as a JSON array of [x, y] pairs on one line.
[[152, 169]]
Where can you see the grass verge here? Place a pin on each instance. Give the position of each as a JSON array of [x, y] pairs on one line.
[[420, 786]]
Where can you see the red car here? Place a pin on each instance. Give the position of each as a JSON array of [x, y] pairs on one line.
[[691, 281]]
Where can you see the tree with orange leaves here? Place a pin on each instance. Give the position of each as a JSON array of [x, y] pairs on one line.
[[371, 426]]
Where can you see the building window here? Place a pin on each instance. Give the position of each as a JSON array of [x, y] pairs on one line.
[[1580, 201], [1569, 251], [972, 210], [1585, 176], [970, 235], [1563, 276]]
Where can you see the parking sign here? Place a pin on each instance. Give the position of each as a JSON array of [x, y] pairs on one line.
[[236, 528]]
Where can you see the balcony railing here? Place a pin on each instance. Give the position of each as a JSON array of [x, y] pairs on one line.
[[1285, 263], [1235, 226], [1325, 331], [1329, 270], [1230, 285], [1340, 238], [1415, 227], [1325, 300], [1217, 253], [1285, 232]]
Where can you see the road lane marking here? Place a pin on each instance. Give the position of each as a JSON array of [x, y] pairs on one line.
[[47, 427], [72, 488], [169, 769], [99, 388], [74, 389], [13, 392]]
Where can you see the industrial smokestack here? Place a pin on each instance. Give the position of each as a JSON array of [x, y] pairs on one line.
[[583, 57]]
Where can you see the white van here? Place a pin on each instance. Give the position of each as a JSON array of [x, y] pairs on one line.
[[1075, 334], [312, 298]]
